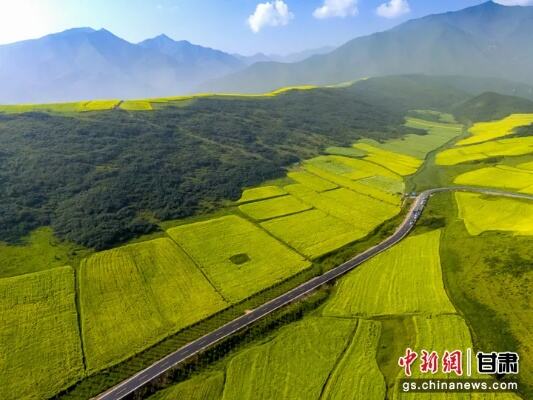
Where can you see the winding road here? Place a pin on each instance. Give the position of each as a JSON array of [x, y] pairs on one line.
[[158, 368]]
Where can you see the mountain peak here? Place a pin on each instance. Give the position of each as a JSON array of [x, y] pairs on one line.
[[75, 31], [163, 37]]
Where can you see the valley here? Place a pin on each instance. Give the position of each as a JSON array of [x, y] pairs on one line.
[[220, 263]]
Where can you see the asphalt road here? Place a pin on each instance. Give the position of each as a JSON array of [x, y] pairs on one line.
[[142, 378]]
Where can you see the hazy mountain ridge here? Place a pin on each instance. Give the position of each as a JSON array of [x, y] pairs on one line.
[[83, 63], [487, 40]]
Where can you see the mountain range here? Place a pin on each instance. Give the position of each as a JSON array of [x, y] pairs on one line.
[[83, 63], [488, 40]]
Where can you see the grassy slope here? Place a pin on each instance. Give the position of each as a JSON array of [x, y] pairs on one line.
[[40, 349], [39, 251], [272, 208]]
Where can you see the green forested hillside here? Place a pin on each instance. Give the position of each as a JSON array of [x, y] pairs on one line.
[[99, 178], [491, 106]]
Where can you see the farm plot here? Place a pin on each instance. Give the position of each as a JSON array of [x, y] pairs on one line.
[[294, 365], [136, 105], [312, 181], [40, 349], [405, 279], [484, 131], [345, 151], [363, 212], [349, 167], [135, 295], [239, 258], [500, 176], [527, 166], [496, 148], [482, 213], [313, 233], [271, 208], [357, 375], [357, 186], [98, 105], [384, 183], [261, 193], [203, 387], [333, 165], [400, 164], [52, 107]]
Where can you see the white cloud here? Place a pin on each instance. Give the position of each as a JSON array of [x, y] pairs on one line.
[[393, 9], [515, 2], [336, 8], [271, 13]]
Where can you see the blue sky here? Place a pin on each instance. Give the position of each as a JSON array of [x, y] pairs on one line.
[[281, 26]]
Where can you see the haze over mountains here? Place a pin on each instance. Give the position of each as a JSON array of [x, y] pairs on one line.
[[488, 40], [84, 63]]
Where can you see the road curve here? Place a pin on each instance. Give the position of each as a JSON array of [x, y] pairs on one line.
[[159, 367]]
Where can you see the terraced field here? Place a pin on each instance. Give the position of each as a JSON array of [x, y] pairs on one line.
[[500, 176], [261, 193], [398, 163], [486, 150], [406, 279], [363, 212], [272, 371], [40, 348], [313, 233], [484, 131], [482, 213], [356, 185], [312, 181], [237, 256], [135, 295], [351, 168], [271, 208]]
